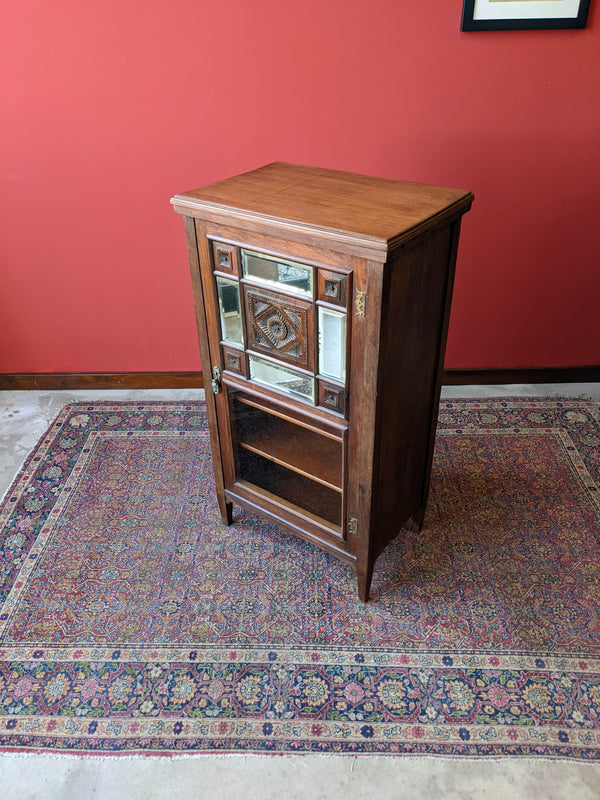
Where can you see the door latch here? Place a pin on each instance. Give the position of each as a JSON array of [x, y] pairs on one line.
[[216, 381]]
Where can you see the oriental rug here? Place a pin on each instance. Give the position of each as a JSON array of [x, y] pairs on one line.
[[134, 621]]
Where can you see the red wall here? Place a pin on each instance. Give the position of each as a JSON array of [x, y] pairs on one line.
[[111, 106]]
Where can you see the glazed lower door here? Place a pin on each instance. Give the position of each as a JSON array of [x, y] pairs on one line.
[[288, 460]]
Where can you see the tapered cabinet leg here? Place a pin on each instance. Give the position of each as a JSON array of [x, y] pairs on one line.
[[364, 578], [417, 520], [226, 511]]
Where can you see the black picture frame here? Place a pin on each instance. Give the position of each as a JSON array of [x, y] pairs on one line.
[[518, 24]]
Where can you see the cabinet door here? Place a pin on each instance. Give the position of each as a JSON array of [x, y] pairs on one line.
[[270, 337]]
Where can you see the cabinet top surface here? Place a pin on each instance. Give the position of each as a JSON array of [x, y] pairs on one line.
[[377, 208]]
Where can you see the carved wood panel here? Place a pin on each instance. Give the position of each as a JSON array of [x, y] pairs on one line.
[[331, 396], [234, 361], [333, 287], [280, 327], [225, 258]]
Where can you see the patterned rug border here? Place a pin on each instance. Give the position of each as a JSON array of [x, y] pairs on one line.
[[173, 735]]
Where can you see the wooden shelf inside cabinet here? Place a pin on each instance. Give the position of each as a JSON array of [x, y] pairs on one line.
[[290, 445], [324, 298], [292, 488]]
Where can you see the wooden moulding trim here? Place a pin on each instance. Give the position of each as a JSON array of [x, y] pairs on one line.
[[367, 246], [458, 377], [297, 520], [116, 380], [447, 215], [361, 244]]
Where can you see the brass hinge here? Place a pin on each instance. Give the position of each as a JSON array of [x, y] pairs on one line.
[[359, 302], [352, 526], [216, 381]]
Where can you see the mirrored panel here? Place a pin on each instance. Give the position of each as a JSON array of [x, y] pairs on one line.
[[284, 275], [281, 378], [332, 344], [229, 310]]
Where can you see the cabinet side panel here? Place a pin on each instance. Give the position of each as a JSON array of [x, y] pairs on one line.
[[416, 307]]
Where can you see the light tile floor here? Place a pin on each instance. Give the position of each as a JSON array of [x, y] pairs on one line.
[[24, 416]]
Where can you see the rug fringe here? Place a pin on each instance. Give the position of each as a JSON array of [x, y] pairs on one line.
[[297, 758]]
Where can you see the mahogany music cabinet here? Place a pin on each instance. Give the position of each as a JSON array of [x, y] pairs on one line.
[[322, 302]]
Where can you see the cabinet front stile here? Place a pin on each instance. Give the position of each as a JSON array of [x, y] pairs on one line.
[[275, 451], [366, 324], [221, 399], [204, 307]]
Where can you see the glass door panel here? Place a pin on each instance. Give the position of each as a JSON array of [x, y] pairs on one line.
[[229, 310], [332, 344], [278, 273], [297, 464], [282, 378]]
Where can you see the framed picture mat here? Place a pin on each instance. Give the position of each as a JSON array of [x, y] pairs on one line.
[[515, 15]]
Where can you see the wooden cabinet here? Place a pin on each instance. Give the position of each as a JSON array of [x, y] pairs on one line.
[[322, 301]]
